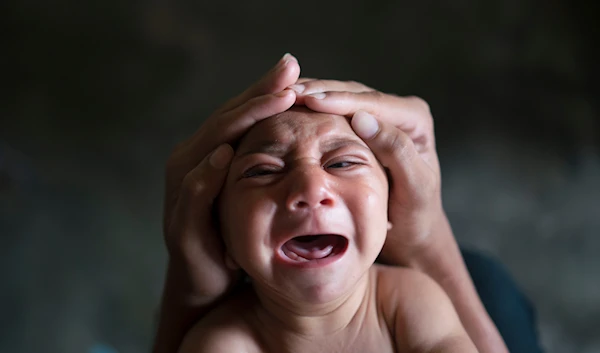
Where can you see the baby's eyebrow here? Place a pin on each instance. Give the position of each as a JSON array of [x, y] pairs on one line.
[[279, 149], [273, 148], [339, 142]]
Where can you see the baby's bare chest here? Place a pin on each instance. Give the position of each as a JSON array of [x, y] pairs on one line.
[[372, 336], [376, 343]]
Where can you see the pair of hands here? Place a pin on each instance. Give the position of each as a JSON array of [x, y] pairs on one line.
[[398, 130]]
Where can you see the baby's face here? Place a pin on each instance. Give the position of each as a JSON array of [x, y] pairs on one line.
[[304, 207]]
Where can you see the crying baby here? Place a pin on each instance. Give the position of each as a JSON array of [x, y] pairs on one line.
[[304, 212]]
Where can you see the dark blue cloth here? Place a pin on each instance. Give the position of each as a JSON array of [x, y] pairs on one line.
[[508, 307]]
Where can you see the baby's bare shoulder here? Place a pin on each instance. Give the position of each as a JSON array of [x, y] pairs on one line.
[[225, 329], [418, 311], [403, 293], [402, 283]]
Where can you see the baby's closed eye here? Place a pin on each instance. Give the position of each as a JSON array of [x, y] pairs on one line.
[[260, 170], [343, 164]]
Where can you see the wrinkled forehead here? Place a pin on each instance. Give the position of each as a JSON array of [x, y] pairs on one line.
[[296, 127]]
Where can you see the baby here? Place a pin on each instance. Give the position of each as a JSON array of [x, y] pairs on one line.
[[304, 213]]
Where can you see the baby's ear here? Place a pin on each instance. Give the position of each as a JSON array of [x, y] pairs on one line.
[[230, 262]]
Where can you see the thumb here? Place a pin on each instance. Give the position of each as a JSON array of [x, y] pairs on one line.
[[411, 178]]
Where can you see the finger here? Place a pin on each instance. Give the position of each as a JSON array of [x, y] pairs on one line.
[[412, 178], [199, 189], [233, 124], [309, 87], [283, 74], [411, 114], [305, 79], [315, 86], [192, 232]]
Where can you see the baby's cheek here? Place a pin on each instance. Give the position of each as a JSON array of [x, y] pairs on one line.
[[377, 198]]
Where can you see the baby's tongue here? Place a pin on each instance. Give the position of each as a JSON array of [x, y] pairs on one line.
[[310, 247]]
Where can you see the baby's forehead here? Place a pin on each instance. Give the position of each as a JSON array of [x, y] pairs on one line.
[[296, 126]]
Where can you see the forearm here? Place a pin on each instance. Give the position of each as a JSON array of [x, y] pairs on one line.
[[443, 261], [181, 306]]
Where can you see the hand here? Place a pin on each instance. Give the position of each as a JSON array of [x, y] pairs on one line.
[[194, 177], [400, 133]]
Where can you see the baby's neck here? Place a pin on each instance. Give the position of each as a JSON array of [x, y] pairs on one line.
[[307, 319]]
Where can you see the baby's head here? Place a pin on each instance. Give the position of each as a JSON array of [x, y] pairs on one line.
[[304, 208]]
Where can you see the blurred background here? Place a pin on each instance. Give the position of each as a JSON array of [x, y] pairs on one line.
[[98, 93]]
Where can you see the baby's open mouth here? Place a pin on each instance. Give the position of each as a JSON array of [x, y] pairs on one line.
[[314, 247]]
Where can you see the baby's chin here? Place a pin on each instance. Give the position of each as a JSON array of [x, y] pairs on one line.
[[314, 289]]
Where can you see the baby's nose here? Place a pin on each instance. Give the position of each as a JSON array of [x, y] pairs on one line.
[[310, 188]]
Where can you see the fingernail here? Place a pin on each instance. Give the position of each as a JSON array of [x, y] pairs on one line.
[[319, 95], [221, 157], [287, 57], [284, 61], [364, 124], [299, 88], [283, 93]]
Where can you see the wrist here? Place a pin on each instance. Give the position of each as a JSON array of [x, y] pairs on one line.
[[429, 241], [440, 256], [440, 237], [181, 306]]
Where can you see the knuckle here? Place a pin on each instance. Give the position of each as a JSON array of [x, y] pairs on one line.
[[375, 98], [398, 146], [192, 185], [320, 86], [355, 84], [360, 87], [420, 103], [377, 95], [422, 107], [346, 95]]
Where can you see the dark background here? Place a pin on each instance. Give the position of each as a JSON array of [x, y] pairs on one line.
[[96, 94]]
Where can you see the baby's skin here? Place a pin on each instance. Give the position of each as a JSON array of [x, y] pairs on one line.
[[304, 212]]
